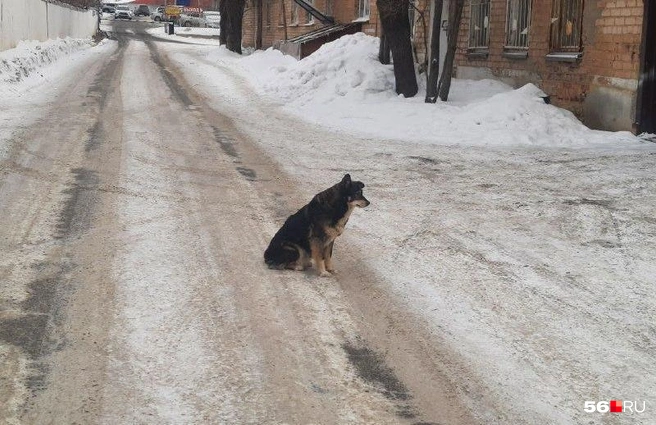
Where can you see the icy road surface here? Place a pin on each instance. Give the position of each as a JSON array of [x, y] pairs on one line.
[[484, 285]]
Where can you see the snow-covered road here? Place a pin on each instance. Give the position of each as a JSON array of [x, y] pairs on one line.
[[504, 281]]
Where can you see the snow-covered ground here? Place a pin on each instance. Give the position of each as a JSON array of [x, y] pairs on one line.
[[32, 74], [524, 240]]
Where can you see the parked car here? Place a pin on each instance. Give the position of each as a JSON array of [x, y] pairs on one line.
[[158, 14], [108, 9], [142, 10], [212, 19], [191, 21], [123, 12]]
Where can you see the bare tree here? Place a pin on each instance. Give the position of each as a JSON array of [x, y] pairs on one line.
[[384, 50], [232, 15], [455, 17], [434, 65], [396, 27]]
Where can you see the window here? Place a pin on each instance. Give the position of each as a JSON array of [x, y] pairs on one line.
[[479, 24], [363, 9], [566, 25], [518, 22], [295, 8], [281, 15], [267, 13], [309, 19]]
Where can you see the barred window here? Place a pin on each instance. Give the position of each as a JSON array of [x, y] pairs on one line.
[[566, 25], [479, 24], [518, 22]]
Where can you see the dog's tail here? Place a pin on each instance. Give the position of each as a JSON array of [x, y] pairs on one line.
[[280, 255]]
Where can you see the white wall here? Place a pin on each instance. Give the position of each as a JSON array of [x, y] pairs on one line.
[[41, 20]]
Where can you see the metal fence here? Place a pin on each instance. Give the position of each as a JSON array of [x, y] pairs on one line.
[[518, 22], [479, 24], [40, 20]]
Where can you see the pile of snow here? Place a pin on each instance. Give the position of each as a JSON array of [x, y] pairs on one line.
[[343, 86], [347, 67], [31, 56]]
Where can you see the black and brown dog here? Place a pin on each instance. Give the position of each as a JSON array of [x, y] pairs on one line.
[[311, 232]]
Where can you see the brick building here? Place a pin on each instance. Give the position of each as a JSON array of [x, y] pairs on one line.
[[596, 58], [585, 55], [265, 24]]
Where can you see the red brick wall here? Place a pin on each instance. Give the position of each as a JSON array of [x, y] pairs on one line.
[[344, 11], [612, 32]]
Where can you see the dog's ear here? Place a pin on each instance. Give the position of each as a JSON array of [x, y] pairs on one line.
[[346, 181]]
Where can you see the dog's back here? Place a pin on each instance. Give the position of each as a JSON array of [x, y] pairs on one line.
[[283, 250]]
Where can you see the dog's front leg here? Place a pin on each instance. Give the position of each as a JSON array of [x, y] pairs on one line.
[[328, 257], [317, 256]]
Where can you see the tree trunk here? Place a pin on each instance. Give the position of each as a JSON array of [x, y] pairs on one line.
[[396, 26], [434, 65], [455, 15], [384, 50], [223, 23], [232, 15]]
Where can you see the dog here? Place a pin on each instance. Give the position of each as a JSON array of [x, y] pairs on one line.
[[309, 234]]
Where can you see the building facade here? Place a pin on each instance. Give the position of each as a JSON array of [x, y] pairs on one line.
[[267, 22], [588, 56], [595, 58]]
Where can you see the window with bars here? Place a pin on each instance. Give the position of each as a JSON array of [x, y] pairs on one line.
[[363, 9], [518, 23], [566, 25], [479, 24]]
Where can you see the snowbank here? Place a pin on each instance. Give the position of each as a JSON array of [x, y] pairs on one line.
[[343, 86], [29, 57], [33, 73]]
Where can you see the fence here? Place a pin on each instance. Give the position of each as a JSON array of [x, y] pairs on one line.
[[42, 20]]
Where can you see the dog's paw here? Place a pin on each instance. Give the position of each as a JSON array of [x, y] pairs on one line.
[[331, 271], [325, 273]]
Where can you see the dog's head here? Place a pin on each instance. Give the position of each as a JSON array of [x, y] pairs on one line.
[[352, 190]]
